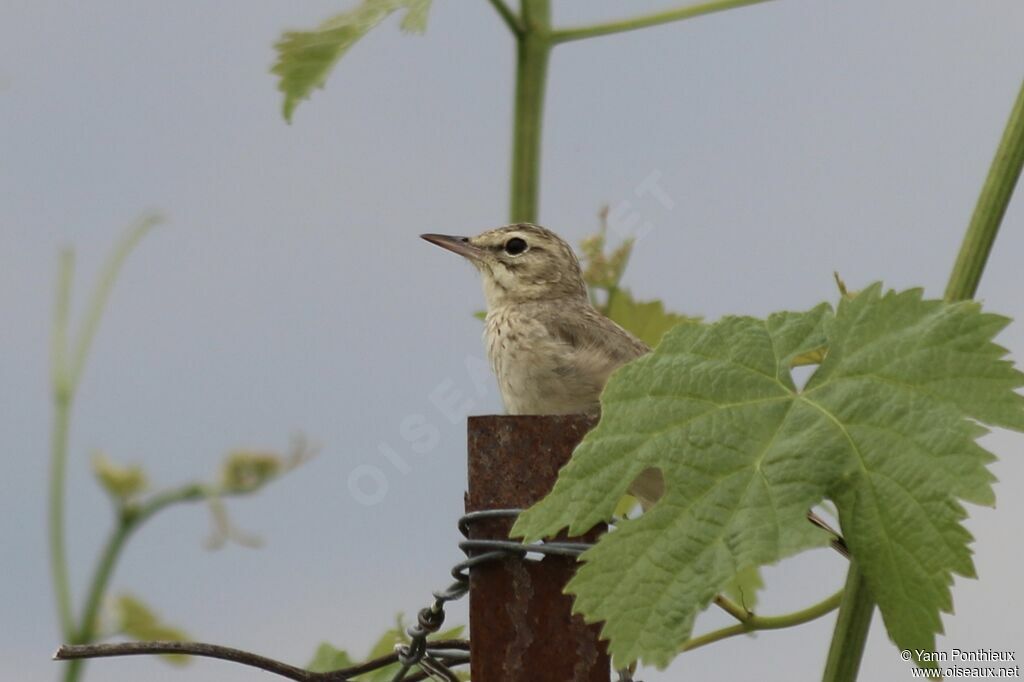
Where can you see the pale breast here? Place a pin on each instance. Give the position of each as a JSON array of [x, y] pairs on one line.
[[538, 372]]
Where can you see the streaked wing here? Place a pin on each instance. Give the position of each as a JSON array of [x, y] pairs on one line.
[[587, 329], [597, 345]]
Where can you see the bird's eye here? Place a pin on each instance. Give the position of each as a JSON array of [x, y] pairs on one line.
[[515, 246]]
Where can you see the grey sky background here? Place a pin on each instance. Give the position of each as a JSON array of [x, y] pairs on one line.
[[288, 291]]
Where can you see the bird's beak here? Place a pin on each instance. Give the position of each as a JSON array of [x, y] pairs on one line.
[[459, 245]]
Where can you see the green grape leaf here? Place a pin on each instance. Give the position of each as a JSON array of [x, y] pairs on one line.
[[885, 428], [647, 320], [138, 621], [306, 58], [121, 482]]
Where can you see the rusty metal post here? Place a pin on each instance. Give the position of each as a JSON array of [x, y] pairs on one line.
[[520, 622]]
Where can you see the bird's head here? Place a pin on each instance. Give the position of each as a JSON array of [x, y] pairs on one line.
[[519, 263]]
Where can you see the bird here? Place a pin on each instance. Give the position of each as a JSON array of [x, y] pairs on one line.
[[550, 349]]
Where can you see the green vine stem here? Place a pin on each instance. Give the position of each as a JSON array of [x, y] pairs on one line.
[[101, 293], [108, 558], [855, 612], [568, 34], [988, 212], [533, 50], [66, 376], [62, 394], [851, 631], [65, 379], [750, 623], [129, 518], [508, 16]]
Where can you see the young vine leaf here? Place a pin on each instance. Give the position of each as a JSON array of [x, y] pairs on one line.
[[136, 620], [647, 320], [306, 58], [886, 428]]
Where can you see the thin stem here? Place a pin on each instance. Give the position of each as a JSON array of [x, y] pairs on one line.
[[851, 631], [508, 16], [224, 653], [61, 315], [533, 49], [101, 577], [66, 375], [129, 518], [750, 622], [62, 394], [79, 652], [97, 590], [58, 544], [732, 608], [101, 292], [988, 212], [192, 492], [567, 34]]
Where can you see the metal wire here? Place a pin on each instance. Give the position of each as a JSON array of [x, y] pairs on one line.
[[436, 664]]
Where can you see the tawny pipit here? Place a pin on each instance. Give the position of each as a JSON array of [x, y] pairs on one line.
[[550, 349]]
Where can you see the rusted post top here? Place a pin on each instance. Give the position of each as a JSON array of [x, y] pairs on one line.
[[521, 627]]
